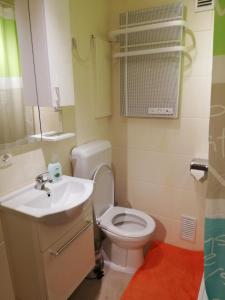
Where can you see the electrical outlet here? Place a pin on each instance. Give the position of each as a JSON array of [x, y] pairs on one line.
[[5, 160]]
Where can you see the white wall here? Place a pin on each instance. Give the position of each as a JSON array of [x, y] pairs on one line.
[[151, 157], [30, 160], [88, 18]]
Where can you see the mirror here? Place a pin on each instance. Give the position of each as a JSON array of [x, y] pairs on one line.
[[55, 122], [22, 120], [18, 121]]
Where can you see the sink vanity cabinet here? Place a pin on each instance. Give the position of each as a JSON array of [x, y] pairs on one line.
[[6, 289], [49, 261]]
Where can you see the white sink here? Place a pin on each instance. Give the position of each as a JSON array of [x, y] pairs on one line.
[[66, 198]]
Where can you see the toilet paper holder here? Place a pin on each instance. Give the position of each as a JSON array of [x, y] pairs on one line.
[[199, 169], [199, 164]]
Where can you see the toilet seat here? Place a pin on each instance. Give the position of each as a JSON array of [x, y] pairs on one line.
[[103, 194], [106, 222], [120, 221]]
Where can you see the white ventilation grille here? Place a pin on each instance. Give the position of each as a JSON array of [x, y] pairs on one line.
[[203, 5], [188, 228]]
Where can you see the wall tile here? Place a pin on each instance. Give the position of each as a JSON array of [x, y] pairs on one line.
[[25, 167], [200, 67], [200, 48], [119, 158], [169, 231], [184, 136], [159, 168], [200, 21], [163, 230], [196, 97], [151, 157], [166, 201], [121, 192], [171, 170]]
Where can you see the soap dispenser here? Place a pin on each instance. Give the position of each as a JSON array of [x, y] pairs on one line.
[[55, 169]]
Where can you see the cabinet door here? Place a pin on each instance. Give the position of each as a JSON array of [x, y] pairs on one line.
[[49, 234], [6, 289], [1, 233], [50, 26], [68, 262], [26, 52]]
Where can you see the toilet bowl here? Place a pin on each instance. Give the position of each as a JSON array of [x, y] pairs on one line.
[[128, 230]]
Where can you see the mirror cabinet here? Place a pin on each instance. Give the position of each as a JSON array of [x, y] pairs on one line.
[[36, 75]]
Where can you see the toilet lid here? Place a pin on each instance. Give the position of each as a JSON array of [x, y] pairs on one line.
[[103, 194]]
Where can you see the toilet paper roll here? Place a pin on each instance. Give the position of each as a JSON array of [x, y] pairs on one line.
[[197, 174]]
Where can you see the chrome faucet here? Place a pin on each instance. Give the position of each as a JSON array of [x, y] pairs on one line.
[[41, 180]]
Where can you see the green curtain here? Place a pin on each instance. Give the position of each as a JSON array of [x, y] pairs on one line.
[[215, 210], [12, 111]]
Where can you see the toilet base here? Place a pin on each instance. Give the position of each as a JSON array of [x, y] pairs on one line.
[[120, 259]]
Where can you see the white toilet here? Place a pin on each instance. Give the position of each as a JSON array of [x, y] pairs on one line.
[[128, 229]]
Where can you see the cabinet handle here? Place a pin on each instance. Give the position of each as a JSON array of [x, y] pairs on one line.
[[60, 250], [58, 101]]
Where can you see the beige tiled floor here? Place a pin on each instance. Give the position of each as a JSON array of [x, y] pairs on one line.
[[110, 287]]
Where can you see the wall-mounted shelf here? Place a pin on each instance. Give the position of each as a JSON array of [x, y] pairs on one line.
[[53, 136]]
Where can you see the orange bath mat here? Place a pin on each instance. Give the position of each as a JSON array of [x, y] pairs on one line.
[[169, 273]]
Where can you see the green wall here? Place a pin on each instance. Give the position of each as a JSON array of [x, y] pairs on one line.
[[219, 29]]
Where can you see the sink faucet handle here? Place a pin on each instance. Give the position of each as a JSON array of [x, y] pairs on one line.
[[43, 178]]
